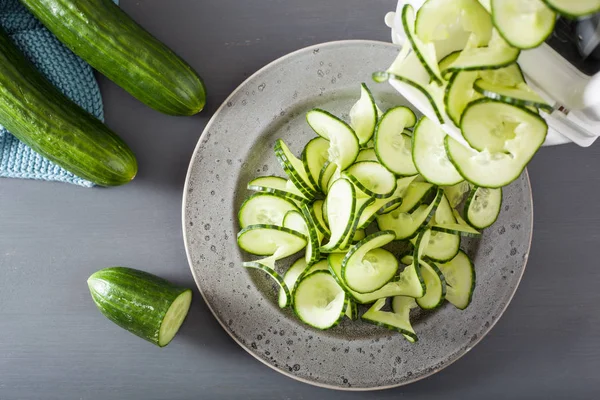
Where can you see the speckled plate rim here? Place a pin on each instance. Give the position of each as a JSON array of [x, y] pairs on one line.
[[215, 116]]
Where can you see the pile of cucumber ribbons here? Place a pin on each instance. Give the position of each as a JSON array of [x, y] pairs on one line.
[[388, 176]]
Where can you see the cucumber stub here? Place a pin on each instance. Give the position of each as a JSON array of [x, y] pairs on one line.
[[144, 304]]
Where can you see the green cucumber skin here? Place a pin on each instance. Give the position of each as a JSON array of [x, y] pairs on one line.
[[105, 37], [135, 300], [39, 115]]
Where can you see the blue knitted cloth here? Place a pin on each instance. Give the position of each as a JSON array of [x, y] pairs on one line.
[[65, 70]]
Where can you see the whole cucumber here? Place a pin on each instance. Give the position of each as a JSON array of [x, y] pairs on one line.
[[39, 115], [104, 36]]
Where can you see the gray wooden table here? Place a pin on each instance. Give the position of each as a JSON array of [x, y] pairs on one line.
[[54, 344]]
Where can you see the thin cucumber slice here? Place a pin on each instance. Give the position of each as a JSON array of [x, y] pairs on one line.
[[367, 155], [278, 186], [343, 143], [409, 77], [458, 228], [442, 246], [402, 305], [325, 175], [366, 267], [359, 235], [416, 194], [264, 208], [497, 54], [446, 62], [483, 207], [405, 225], [290, 278], [443, 20], [314, 157], [424, 51], [524, 24], [321, 265], [430, 155], [319, 301], [269, 240], [396, 321], [444, 213], [420, 245], [506, 137], [456, 193], [285, 296], [372, 179], [363, 116], [341, 203], [460, 279], [459, 93], [521, 95], [313, 253], [574, 8], [381, 206], [392, 145], [507, 76], [316, 211], [361, 205], [409, 283], [293, 219], [435, 284], [352, 310], [294, 168]]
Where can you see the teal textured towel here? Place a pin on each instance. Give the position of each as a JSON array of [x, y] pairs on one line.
[[65, 70]]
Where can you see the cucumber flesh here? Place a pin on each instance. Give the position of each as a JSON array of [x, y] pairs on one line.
[[317, 215], [459, 93], [392, 145], [352, 310], [314, 237], [341, 202], [398, 321], [435, 284], [521, 95], [372, 179], [524, 24], [327, 172], [446, 62], [456, 193], [270, 240], [278, 186], [460, 227], [294, 168], [314, 157], [366, 267], [574, 8], [363, 116], [319, 301], [496, 55], [405, 225], [460, 279], [294, 220], [144, 304], [367, 155], [430, 155], [264, 208], [483, 207], [415, 195], [290, 278], [507, 76], [343, 143]]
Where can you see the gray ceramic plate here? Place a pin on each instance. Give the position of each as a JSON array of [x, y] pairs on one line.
[[237, 146]]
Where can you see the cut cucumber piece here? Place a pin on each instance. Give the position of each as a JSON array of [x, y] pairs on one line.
[[456, 193], [290, 278], [497, 54], [483, 207], [409, 283], [294, 169], [444, 213], [506, 137], [435, 284], [443, 20], [141, 303], [343, 143], [319, 301], [430, 155], [363, 116], [574, 8], [524, 24], [446, 62], [352, 310], [507, 76], [410, 78], [416, 194], [459, 93], [366, 267], [312, 254], [294, 220], [341, 202], [264, 208], [361, 205], [521, 95], [392, 145], [424, 51], [325, 176], [314, 157], [358, 235], [406, 225], [269, 240], [442, 246], [284, 291], [458, 228], [396, 321], [278, 186], [367, 155], [316, 211], [372, 179], [460, 279]]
